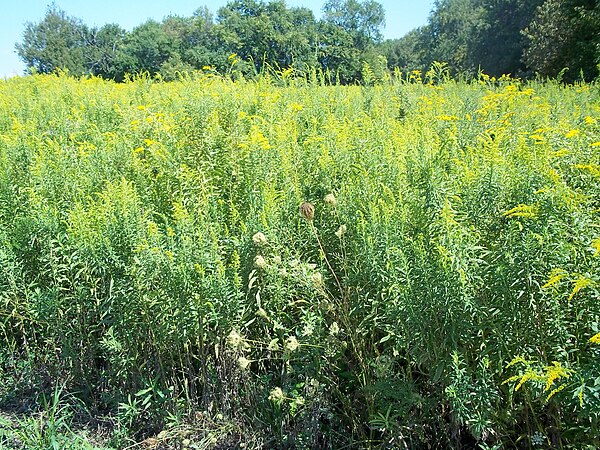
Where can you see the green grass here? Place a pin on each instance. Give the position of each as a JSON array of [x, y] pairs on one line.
[[445, 294]]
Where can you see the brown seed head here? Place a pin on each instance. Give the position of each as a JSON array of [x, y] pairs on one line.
[[307, 211]]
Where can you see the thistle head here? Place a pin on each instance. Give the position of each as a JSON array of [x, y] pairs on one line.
[[307, 210]]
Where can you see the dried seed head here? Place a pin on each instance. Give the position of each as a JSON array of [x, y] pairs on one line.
[[341, 231], [308, 329], [317, 278], [234, 339], [291, 344], [277, 395], [259, 238], [243, 362], [260, 262], [273, 345], [330, 200], [334, 329], [307, 210]]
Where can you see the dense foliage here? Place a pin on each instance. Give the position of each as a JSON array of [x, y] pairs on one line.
[[259, 33], [519, 37], [438, 288]]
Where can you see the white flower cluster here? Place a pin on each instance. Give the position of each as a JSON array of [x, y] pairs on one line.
[[259, 239], [330, 200], [277, 396]]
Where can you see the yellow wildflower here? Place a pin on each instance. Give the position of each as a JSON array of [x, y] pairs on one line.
[[572, 134], [596, 246], [555, 276], [555, 372], [538, 138], [524, 211], [580, 283], [447, 118]]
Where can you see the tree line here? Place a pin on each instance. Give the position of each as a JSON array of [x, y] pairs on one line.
[[520, 37]]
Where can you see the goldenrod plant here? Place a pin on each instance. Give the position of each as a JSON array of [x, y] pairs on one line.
[[291, 263]]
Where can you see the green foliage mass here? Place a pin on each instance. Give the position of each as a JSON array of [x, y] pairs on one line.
[[155, 269], [565, 34], [259, 33], [520, 37], [524, 38]]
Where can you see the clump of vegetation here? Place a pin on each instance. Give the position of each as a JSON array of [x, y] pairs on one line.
[[285, 263]]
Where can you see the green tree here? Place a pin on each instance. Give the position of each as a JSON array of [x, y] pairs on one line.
[[102, 49], [182, 34], [348, 34], [267, 32], [410, 52], [564, 34], [198, 46], [57, 42], [337, 53], [454, 26], [362, 20], [301, 38], [145, 49], [499, 46]]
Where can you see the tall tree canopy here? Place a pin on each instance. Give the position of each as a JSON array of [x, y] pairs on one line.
[[520, 37], [257, 31], [454, 25], [267, 32], [565, 34], [362, 20], [500, 42], [57, 42]]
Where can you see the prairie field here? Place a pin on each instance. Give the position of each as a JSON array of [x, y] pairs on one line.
[[161, 286]]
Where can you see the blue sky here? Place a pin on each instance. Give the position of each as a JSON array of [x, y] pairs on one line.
[[401, 17]]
